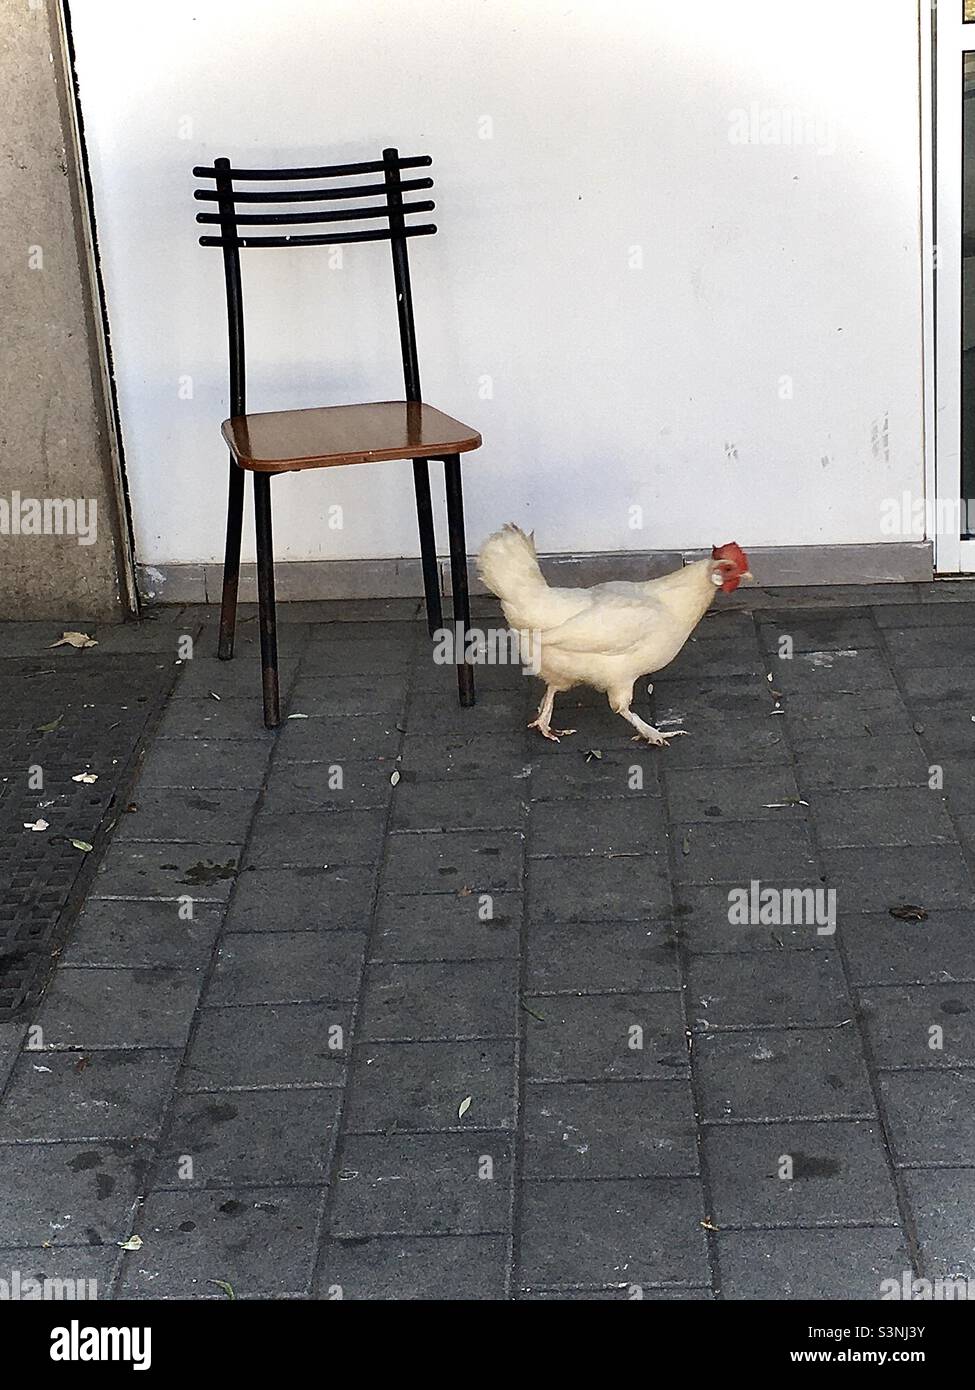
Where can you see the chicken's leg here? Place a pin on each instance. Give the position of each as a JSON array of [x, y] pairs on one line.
[[620, 704], [543, 722]]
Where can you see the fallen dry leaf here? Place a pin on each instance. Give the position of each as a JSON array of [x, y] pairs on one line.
[[908, 912], [75, 639], [87, 777], [83, 845], [464, 1106], [36, 825], [133, 1243]]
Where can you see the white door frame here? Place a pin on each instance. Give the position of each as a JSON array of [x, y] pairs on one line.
[[947, 38]]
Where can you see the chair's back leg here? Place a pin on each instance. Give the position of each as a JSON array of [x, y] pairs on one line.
[[231, 562], [265, 598], [458, 576], [428, 545]]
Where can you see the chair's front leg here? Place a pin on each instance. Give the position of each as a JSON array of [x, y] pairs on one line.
[[428, 545], [231, 562], [265, 598], [458, 576]]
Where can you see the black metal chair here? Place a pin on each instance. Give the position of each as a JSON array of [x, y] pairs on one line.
[[325, 437]]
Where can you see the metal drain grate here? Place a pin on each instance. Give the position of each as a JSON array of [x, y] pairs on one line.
[[100, 705]]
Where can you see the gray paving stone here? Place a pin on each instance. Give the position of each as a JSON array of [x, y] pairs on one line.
[[87, 1096], [143, 935], [901, 615], [877, 879], [722, 795], [205, 675], [934, 684], [209, 719], [249, 1137], [447, 926], [268, 1045], [457, 805], [649, 1293], [412, 1268], [177, 814], [839, 1174], [403, 1086], [605, 1037], [899, 816], [790, 989], [809, 632], [940, 646], [441, 862], [734, 656], [625, 1232], [260, 1241], [433, 757], [346, 786], [314, 839], [805, 1264], [820, 672], [948, 730], [931, 1116], [73, 1271], [632, 1129], [331, 740], [599, 827], [69, 1194], [943, 1203], [612, 775], [708, 917], [202, 872], [844, 764], [503, 710], [808, 1073], [89, 1009], [738, 853], [627, 888], [206, 764], [422, 1184], [417, 1000], [883, 950], [594, 956], [845, 714], [286, 967], [718, 738], [430, 675], [356, 658], [900, 1024], [303, 899], [337, 696]]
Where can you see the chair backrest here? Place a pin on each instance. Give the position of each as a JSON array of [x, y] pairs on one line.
[[392, 210]]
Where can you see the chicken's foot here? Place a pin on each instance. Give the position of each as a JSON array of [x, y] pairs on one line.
[[646, 732], [544, 720]]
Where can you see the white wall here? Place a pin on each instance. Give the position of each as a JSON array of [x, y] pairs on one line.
[[612, 386]]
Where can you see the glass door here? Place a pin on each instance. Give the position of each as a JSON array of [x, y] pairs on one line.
[[952, 247]]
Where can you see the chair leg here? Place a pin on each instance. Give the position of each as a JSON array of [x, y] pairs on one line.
[[458, 576], [265, 596], [428, 545], [231, 563]]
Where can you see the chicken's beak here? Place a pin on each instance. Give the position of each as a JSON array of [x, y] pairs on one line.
[[748, 575]]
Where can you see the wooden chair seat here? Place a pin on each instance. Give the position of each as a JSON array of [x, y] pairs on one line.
[[281, 441]]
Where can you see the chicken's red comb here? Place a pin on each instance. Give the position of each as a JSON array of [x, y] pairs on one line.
[[732, 551]]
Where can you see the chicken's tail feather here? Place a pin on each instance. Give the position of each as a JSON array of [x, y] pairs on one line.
[[508, 564]]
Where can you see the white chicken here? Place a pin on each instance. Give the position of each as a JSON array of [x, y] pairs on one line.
[[605, 636]]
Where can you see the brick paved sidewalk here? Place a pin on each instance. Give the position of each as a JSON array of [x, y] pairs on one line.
[[489, 1032]]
